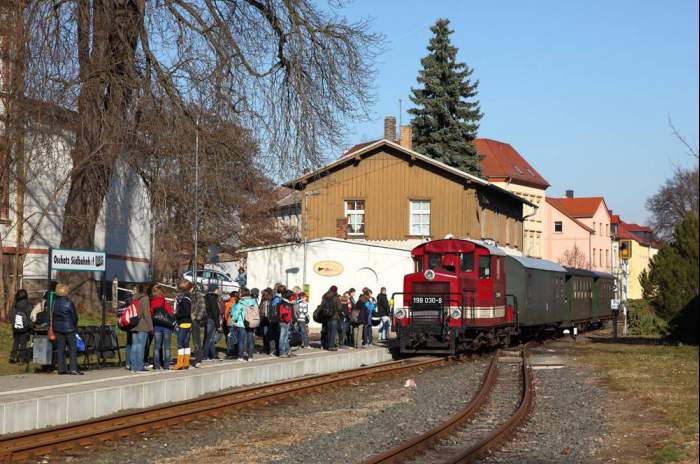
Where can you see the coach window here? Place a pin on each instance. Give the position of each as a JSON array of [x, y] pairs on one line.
[[484, 269], [434, 260], [468, 262]]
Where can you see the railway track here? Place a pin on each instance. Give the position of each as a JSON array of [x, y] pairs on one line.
[[498, 408], [24, 446]]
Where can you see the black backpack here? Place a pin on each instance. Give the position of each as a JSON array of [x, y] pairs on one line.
[[162, 318], [21, 323], [318, 315]]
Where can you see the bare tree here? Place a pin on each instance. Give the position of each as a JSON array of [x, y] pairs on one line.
[[574, 257], [678, 196], [289, 72]]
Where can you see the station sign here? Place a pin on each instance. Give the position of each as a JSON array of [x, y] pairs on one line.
[[77, 260], [615, 304]]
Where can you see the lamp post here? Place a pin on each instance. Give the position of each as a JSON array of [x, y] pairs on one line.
[[313, 193]]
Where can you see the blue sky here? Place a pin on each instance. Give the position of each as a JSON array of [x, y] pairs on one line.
[[582, 89]]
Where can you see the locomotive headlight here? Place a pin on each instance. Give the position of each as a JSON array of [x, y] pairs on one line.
[[400, 313], [455, 313], [429, 274]]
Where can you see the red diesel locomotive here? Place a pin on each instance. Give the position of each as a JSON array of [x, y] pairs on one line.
[[465, 294]]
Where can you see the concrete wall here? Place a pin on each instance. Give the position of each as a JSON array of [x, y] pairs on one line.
[[55, 408], [364, 265]]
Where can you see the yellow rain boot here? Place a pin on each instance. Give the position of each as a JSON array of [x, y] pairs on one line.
[[180, 358], [186, 360]]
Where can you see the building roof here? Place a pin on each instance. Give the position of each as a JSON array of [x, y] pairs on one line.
[[561, 207], [637, 228], [582, 207], [624, 231], [503, 162], [350, 156]]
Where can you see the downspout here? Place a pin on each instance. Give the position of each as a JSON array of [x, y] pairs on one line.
[[523, 231], [590, 251]]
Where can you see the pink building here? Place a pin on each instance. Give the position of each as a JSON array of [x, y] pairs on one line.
[[577, 232]]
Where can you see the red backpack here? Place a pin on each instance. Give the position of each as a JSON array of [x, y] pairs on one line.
[[285, 312], [129, 317]]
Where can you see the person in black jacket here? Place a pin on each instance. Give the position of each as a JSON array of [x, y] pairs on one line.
[[65, 325], [21, 327], [384, 312], [211, 305], [183, 317]]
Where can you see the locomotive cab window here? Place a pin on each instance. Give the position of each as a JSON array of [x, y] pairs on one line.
[[434, 260], [468, 262], [484, 267], [418, 261], [450, 262]]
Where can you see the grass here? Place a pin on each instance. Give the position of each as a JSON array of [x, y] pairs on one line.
[[662, 377]]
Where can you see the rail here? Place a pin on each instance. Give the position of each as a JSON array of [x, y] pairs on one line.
[[25, 446], [429, 439]]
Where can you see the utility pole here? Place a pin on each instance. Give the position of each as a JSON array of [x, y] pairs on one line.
[[196, 202]]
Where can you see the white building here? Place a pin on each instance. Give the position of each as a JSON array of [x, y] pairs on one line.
[[330, 261]]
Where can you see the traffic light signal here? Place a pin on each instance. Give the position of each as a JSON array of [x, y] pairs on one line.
[[625, 249]]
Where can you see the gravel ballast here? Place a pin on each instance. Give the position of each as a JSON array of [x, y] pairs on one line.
[[343, 424], [349, 423]]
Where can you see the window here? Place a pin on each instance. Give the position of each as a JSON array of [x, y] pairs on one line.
[[420, 218], [517, 169], [468, 262], [593, 227], [434, 260], [355, 214], [600, 258], [593, 260], [607, 258], [484, 269], [558, 227], [418, 260]]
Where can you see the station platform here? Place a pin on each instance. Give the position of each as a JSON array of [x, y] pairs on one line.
[[34, 400]]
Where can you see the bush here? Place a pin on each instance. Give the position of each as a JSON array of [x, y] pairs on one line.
[[643, 320], [684, 326]]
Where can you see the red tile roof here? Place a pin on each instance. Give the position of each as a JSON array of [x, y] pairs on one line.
[[637, 228], [503, 162], [626, 231], [561, 207], [583, 207]]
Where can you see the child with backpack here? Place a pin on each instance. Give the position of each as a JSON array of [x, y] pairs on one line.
[[286, 314], [301, 310], [21, 327], [245, 317]]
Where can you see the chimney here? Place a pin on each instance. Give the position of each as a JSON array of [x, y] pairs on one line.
[[390, 128], [569, 194], [406, 139]]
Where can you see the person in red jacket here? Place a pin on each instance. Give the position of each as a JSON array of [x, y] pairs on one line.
[[163, 324]]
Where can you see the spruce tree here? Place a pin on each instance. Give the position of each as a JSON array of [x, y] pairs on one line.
[[446, 117]]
